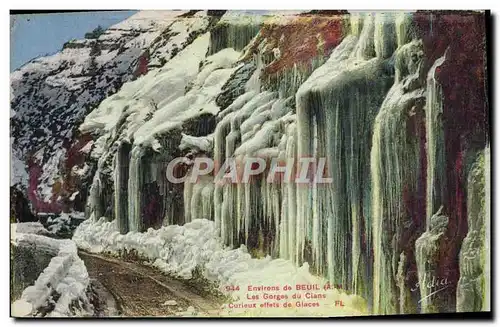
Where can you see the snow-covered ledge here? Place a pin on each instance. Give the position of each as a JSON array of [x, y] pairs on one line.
[[61, 286]]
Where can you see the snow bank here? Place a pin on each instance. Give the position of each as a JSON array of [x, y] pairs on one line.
[[28, 228], [62, 284], [179, 250]]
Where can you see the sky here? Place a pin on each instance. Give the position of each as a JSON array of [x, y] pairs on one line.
[[35, 35]]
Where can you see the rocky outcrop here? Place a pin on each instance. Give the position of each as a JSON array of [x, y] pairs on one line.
[[52, 95], [20, 209]]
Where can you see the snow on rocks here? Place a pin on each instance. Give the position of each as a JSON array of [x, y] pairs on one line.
[[159, 87], [62, 284], [87, 147], [179, 250], [176, 38], [64, 223], [198, 100], [28, 228], [50, 174], [143, 99], [200, 143]]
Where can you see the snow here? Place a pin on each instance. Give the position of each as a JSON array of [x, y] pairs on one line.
[[73, 196], [158, 101], [244, 17], [201, 143], [50, 174], [234, 17], [260, 130], [80, 171], [87, 147], [149, 93], [63, 221], [66, 275], [147, 18], [28, 228], [190, 311], [179, 250], [178, 35], [22, 308], [200, 98]]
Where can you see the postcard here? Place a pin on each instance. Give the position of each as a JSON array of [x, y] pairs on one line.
[[232, 163]]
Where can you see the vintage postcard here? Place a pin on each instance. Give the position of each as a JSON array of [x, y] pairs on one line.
[[231, 163]]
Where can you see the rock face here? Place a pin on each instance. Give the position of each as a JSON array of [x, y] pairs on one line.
[[403, 222], [20, 210]]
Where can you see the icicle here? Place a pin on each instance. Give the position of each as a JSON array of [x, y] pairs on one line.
[[436, 184], [234, 30], [385, 34], [196, 201], [121, 171], [291, 194], [94, 198], [134, 189], [427, 250], [187, 198], [395, 149], [254, 82], [207, 200], [356, 23], [340, 100], [426, 246], [404, 28], [100, 196]]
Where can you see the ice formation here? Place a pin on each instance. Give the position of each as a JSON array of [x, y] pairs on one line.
[[372, 106], [65, 276]]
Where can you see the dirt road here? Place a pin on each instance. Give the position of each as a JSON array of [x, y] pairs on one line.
[[140, 291]]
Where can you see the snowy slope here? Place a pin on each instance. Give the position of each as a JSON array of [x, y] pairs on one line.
[[61, 285], [51, 95]]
